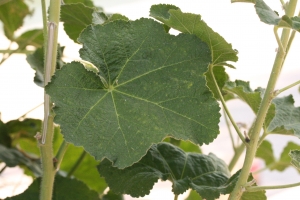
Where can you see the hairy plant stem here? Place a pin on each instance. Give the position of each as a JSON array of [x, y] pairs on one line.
[[76, 165], [175, 197], [225, 106], [48, 126], [262, 112], [259, 188], [10, 51]]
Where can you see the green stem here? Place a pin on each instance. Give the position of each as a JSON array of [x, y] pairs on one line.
[[175, 197], [225, 107], [48, 167], [259, 188], [236, 156], [229, 130], [262, 112], [60, 154], [76, 165], [287, 87], [10, 51]]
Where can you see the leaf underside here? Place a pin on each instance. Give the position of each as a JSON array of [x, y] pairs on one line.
[[206, 174], [150, 85]]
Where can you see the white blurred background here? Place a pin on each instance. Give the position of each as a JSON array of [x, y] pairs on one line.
[[237, 23]]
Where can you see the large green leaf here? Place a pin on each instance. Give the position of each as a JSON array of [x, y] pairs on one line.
[[150, 85], [36, 61], [287, 117], [13, 157], [193, 24], [295, 156], [64, 189], [12, 15], [206, 174]]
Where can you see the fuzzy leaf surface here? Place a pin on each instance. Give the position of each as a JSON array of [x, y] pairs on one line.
[[206, 174], [150, 85], [295, 156], [268, 16], [287, 117], [193, 24], [64, 189]]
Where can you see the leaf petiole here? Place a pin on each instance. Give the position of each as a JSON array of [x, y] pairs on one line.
[[225, 107], [287, 87], [259, 188]]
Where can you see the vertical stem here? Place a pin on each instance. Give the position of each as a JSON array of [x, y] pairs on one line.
[[266, 101], [175, 197], [237, 154], [48, 126]]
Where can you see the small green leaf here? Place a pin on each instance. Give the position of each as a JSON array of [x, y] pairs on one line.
[[206, 174], [64, 189], [265, 152], [192, 23], [25, 128], [295, 156], [36, 61], [285, 160], [245, 93], [156, 88], [268, 16], [12, 15], [259, 195], [286, 119], [13, 157], [74, 23], [221, 77], [33, 37]]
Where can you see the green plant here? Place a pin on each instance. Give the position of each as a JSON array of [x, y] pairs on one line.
[[126, 110]]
